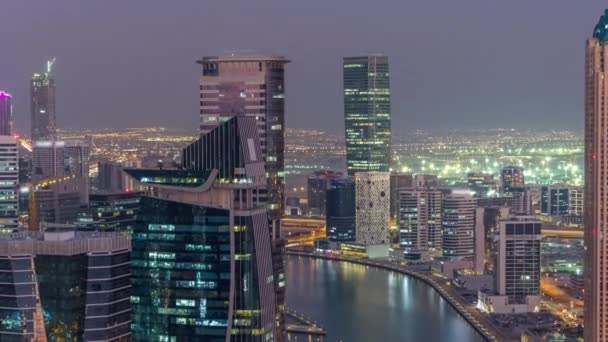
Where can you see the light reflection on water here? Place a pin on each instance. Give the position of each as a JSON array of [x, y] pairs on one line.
[[358, 303]]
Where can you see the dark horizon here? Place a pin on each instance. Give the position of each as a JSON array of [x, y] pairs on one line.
[[471, 64]]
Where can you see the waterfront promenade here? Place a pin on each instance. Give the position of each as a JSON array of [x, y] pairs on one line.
[[477, 320]]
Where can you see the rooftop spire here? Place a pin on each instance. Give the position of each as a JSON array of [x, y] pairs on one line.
[[601, 29]]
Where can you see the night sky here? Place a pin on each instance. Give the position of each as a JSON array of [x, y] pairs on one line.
[[454, 64]]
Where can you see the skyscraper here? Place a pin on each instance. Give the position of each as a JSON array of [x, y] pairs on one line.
[[202, 259], [65, 286], [250, 85], [6, 113], [53, 158], [372, 200], [42, 93], [458, 223], [419, 221], [596, 192], [9, 186], [367, 113], [317, 185], [340, 210]]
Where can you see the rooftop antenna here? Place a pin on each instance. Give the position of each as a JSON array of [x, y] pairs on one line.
[[49, 65]]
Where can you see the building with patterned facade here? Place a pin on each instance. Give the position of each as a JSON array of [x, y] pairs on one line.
[[372, 202], [367, 113]]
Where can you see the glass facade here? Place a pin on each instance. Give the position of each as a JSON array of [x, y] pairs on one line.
[[184, 288], [340, 211], [42, 93], [109, 212], [367, 113], [17, 299]]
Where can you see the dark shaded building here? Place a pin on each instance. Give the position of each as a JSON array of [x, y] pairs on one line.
[[65, 286], [317, 185], [111, 178], [340, 214], [109, 211], [42, 94], [367, 113], [252, 86], [59, 201], [6, 113], [202, 253], [399, 181]]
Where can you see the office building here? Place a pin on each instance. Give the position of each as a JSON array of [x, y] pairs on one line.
[[340, 212], [9, 183], [111, 178], [372, 203], [511, 177], [65, 286], [367, 114], [60, 158], [419, 221], [42, 95], [6, 113], [596, 196], [458, 223], [559, 199], [317, 186], [250, 85], [399, 181], [57, 201], [517, 268], [109, 211], [202, 256], [484, 185]]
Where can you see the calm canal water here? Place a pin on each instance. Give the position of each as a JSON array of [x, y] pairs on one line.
[[359, 303]]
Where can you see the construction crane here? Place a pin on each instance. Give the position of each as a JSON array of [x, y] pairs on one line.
[[34, 223]]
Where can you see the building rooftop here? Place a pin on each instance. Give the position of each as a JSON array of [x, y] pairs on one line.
[[235, 57], [180, 178], [61, 242]]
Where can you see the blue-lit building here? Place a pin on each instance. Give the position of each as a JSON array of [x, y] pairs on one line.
[[367, 113], [109, 211], [340, 210], [202, 260], [65, 286]]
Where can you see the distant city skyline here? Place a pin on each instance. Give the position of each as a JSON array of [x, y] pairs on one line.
[[453, 64]]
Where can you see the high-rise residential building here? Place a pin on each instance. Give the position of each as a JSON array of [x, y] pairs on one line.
[[42, 93], [53, 158], [559, 199], [202, 257], [340, 212], [367, 113], [250, 85], [372, 213], [419, 221], [458, 225], [399, 181], [6, 113], [511, 177], [9, 184], [596, 192], [65, 286], [518, 268], [317, 185], [109, 211]]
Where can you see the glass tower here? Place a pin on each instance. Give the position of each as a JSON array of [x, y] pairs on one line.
[[340, 212], [42, 93], [6, 113], [367, 113]]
